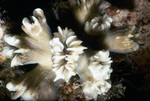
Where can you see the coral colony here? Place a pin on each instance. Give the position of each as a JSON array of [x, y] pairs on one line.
[[62, 54]]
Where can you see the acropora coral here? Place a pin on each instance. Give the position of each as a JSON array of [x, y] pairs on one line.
[[61, 55]]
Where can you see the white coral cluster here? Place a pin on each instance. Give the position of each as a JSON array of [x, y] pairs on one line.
[[63, 56], [95, 73], [56, 58], [66, 49], [98, 24]]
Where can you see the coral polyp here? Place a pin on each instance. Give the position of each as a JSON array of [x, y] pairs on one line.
[[66, 49], [94, 71]]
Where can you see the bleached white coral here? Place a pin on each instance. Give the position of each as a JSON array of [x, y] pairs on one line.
[[95, 73], [98, 24], [56, 58], [66, 49]]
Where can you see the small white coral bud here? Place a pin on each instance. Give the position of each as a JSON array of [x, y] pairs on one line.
[[16, 61], [10, 87], [33, 29], [97, 25], [22, 51], [28, 95], [66, 49], [13, 41], [8, 52], [90, 91], [39, 13], [57, 46]]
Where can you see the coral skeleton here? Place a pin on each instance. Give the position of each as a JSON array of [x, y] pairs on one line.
[[62, 54]]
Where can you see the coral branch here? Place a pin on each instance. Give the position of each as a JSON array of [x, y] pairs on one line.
[[35, 85], [33, 47], [84, 9], [39, 27]]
